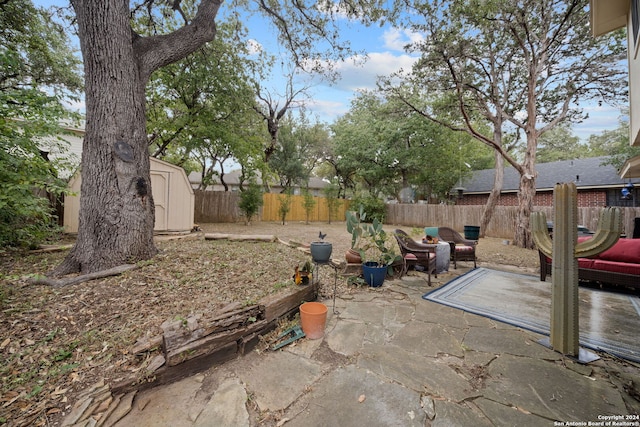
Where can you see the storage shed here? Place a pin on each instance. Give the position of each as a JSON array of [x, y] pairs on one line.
[[172, 194]]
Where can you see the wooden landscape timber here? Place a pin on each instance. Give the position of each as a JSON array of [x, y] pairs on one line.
[[240, 237], [204, 340]]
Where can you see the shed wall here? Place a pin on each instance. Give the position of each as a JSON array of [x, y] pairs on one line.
[[172, 194]]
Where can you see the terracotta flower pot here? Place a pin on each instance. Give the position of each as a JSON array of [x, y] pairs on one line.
[[313, 317], [353, 257]]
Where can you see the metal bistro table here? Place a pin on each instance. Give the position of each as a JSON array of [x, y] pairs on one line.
[[316, 277]]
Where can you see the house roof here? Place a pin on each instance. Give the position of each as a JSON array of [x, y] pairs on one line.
[[586, 173]]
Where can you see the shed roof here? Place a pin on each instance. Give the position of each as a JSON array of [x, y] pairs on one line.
[[586, 173]]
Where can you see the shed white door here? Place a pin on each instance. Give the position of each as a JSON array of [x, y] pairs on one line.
[[160, 190]]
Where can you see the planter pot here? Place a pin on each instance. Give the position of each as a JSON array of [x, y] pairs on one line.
[[321, 252], [374, 273], [353, 257], [313, 317], [471, 232]]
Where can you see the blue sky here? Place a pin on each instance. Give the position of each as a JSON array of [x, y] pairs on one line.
[[327, 101]]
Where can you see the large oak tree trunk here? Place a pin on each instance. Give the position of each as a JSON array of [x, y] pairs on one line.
[[116, 207], [494, 196], [527, 190]]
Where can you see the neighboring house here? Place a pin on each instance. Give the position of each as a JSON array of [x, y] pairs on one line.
[[611, 15], [597, 185], [232, 179], [65, 147]]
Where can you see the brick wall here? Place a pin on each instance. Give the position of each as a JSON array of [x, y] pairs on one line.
[[586, 199]]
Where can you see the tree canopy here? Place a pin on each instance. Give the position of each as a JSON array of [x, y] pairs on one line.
[[38, 74], [522, 67]]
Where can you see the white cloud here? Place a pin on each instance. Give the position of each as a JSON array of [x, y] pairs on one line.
[[327, 110], [362, 73], [601, 118], [396, 38], [254, 47]]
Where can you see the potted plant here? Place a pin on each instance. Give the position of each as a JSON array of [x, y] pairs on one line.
[[303, 275], [321, 250], [355, 227], [378, 254]]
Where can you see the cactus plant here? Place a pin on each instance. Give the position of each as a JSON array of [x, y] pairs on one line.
[[565, 251]]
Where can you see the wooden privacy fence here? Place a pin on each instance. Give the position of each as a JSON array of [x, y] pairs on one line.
[[222, 206], [502, 223], [320, 211]]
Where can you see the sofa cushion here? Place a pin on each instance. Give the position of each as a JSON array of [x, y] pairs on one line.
[[625, 250], [616, 267], [585, 262]]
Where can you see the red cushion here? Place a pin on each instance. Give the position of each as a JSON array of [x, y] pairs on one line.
[[625, 250], [585, 262], [617, 267], [410, 257], [463, 248]]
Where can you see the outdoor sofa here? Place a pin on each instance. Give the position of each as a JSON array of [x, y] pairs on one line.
[[619, 265]]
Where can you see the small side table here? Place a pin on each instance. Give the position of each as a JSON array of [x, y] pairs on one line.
[[443, 255]]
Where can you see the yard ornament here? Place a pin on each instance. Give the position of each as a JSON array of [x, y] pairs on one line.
[[565, 251]]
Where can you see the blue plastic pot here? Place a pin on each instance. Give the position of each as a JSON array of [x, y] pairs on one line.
[[374, 273]]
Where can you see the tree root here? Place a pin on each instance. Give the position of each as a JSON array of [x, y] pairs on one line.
[[58, 283]]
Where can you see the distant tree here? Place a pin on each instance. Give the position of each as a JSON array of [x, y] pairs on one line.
[[613, 143], [299, 150], [521, 66], [560, 144], [331, 194], [250, 201], [387, 148], [38, 74], [272, 108], [200, 109], [285, 205], [308, 203]]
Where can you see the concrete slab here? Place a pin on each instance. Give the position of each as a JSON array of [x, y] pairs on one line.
[[171, 405], [227, 407], [416, 372], [478, 358], [336, 401], [346, 338], [364, 311], [448, 414], [430, 339], [398, 314], [510, 341], [278, 379], [303, 347], [550, 390], [505, 415], [431, 312]]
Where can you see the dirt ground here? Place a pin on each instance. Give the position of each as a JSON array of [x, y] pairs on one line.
[[54, 342]]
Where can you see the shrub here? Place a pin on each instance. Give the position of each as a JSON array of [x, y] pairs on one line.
[[250, 201], [373, 207]]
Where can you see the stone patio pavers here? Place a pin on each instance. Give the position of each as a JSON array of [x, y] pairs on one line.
[[409, 362]]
